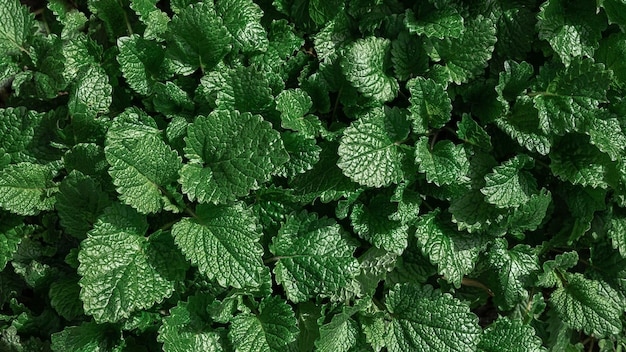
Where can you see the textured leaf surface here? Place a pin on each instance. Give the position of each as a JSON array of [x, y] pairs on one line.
[[372, 222], [510, 335], [122, 270], [314, 257], [242, 18], [571, 28], [339, 335], [271, 330], [512, 270], [141, 62], [222, 241], [17, 26], [141, 168], [445, 164], [188, 329], [467, 56], [441, 23], [18, 130], [430, 104], [582, 307], [454, 253], [366, 66], [27, 189], [230, 154], [368, 154], [87, 337], [91, 95], [508, 186], [424, 319], [80, 202], [198, 38], [11, 233]]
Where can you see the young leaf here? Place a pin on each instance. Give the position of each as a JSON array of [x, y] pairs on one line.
[[339, 335], [86, 337], [91, 95], [222, 241], [372, 222], [272, 329], [230, 154], [365, 66], [122, 270], [425, 319], [314, 257]]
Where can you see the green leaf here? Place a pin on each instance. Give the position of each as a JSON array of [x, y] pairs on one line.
[[326, 180], [17, 26], [222, 241], [272, 329], [608, 137], [142, 62], [466, 57], [615, 11], [79, 203], [514, 37], [11, 233], [314, 257], [124, 271], [522, 125], [339, 335], [582, 307], [471, 132], [244, 88], [572, 28], [511, 271], [294, 104], [408, 56], [508, 186], [372, 222], [142, 165], [366, 65], [580, 163], [303, 154], [242, 18], [430, 104], [455, 253], [610, 52], [27, 189], [19, 129], [424, 319], [197, 38], [230, 154], [617, 233], [441, 23], [510, 335], [187, 328], [65, 298], [92, 91], [368, 153], [87, 337], [570, 99], [445, 164]]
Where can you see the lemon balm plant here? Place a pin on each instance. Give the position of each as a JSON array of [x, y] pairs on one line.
[[312, 175]]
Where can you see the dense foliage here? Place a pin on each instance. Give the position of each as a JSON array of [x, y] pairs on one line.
[[298, 175]]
